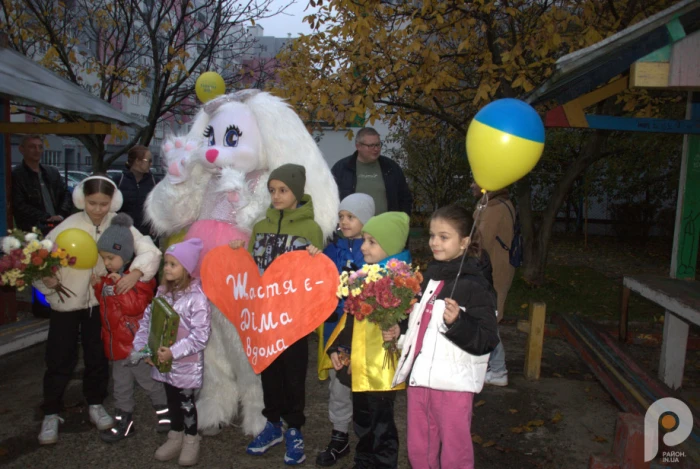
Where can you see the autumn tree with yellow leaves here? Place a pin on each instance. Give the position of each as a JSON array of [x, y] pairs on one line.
[[439, 61], [115, 48]]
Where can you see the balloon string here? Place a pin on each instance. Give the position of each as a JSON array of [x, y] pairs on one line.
[[481, 206]]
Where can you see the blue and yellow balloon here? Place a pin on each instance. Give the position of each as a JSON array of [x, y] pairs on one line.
[[504, 142], [208, 86]]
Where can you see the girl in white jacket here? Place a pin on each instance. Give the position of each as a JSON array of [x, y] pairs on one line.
[[99, 199], [445, 350]]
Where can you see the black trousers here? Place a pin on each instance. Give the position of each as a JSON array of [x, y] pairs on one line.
[[62, 356], [373, 421], [283, 385], [181, 409]]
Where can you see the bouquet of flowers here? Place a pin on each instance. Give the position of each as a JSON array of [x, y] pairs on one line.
[[28, 258], [382, 295]]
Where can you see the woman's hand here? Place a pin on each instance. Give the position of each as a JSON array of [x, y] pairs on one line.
[[451, 311], [50, 282], [164, 354], [236, 243], [392, 333], [313, 250], [335, 359], [128, 281]]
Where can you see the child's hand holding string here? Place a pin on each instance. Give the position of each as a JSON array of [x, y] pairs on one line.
[[451, 311]]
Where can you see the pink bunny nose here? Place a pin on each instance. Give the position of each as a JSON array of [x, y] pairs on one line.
[[211, 155]]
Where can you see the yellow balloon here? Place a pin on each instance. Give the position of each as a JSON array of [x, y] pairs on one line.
[[174, 239], [78, 244], [209, 85]]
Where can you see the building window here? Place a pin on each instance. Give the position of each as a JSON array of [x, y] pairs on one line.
[[88, 160], [52, 157]]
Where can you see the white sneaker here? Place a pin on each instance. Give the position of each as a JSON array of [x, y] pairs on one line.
[[49, 429], [100, 417], [494, 380]]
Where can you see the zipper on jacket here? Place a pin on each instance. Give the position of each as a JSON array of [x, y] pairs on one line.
[[109, 329], [279, 225]]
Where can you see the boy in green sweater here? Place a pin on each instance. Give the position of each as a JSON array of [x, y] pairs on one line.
[[288, 226]]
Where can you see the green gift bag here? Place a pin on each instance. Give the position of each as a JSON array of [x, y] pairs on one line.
[[164, 324]]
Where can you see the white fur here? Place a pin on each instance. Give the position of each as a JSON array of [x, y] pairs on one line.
[[176, 202]]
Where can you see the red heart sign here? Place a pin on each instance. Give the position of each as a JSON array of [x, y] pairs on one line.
[[294, 296]]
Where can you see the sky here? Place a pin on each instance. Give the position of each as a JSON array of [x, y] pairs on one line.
[[288, 22]]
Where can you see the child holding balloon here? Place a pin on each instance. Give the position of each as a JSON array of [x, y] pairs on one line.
[[98, 199]]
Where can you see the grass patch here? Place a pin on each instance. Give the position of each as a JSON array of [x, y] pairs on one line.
[[577, 289]]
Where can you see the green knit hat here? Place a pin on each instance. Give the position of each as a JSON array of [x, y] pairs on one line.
[[390, 229], [293, 175]]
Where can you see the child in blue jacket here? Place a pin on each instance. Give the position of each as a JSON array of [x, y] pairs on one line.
[[354, 212]]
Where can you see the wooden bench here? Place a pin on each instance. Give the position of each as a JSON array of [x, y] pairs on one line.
[[681, 300]]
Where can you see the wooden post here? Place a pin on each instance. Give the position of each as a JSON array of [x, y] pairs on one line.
[[535, 339], [624, 320]]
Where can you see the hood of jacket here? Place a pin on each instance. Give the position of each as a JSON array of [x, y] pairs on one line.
[[447, 270]]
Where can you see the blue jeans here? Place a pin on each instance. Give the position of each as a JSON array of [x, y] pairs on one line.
[[497, 361]]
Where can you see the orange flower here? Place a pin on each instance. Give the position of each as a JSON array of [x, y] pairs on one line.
[[413, 301], [43, 253], [37, 261], [400, 282], [365, 309]]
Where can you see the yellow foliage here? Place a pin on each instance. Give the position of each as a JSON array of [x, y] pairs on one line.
[[443, 60]]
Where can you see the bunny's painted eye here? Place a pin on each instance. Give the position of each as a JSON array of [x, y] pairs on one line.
[[233, 133], [209, 135]]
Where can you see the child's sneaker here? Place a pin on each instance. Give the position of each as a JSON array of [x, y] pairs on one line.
[[124, 428], [336, 449], [496, 380], [189, 455], [49, 429], [163, 425], [266, 439], [100, 418], [294, 441]]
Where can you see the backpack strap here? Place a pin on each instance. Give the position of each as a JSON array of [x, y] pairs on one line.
[[512, 216]]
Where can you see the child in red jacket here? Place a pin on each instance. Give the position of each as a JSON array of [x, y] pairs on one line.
[[120, 320]]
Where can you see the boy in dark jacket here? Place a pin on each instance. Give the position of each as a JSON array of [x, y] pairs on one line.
[[288, 226], [120, 321]]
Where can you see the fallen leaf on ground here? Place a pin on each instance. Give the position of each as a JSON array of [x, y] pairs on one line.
[[488, 444], [557, 417], [556, 375], [513, 411], [557, 354], [517, 430], [535, 423], [600, 439], [502, 449], [480, 403], [477, 439], [524, 305]]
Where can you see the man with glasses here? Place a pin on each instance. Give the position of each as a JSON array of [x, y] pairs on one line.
[[367, 171], [135, 183]]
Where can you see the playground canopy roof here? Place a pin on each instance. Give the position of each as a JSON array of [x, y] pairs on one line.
[[26, 82], [584, 70]]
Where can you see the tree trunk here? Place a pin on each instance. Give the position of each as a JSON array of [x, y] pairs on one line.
[[536, 238]]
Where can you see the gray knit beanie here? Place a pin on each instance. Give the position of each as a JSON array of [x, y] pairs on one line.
[[360, 205], [117, 238]]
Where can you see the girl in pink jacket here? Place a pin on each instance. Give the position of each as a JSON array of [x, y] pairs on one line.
[[186, 297]]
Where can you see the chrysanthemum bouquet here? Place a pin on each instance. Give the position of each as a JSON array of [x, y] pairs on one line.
[[28, 258], [382, 295]]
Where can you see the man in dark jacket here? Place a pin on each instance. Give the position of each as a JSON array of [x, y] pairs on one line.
[[39, 196], [368, 172]]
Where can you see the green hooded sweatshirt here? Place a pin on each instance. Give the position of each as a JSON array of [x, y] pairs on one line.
[[283, 231]]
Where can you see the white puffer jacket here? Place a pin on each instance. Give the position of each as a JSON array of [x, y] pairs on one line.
[[440, 365], [147, 260]]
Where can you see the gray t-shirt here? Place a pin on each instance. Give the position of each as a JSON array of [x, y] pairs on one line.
[[370, 181], [46, 197]]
